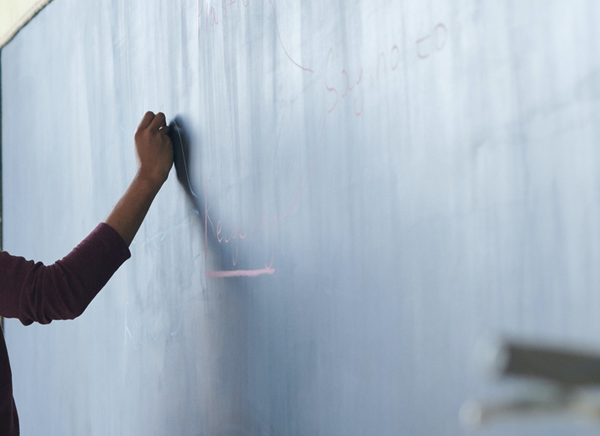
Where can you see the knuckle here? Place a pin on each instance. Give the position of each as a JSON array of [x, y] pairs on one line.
[[141, 135]]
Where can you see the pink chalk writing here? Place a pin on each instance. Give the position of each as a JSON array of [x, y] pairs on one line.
[[214, 17], [331, 88], [347, 87], [240, 273], [433, 42], [283, 46], [441, 34], [226, 232], [396, 52], [342, 89]]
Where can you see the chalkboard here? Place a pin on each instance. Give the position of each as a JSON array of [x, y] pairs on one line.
[[364, 190]]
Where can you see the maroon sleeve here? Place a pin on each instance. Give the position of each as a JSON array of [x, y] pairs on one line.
[[9, 420], [34, 292]]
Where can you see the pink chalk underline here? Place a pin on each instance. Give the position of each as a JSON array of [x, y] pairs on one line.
[[239, 273]]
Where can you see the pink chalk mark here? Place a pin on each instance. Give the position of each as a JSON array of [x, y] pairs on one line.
[[274, 224], [331, 89], [419, 49], [242, 236], [281, 42], [360, 76], [207, 218], [438, 27], [396, 50], [262, 218], [223, 6], [239, 273], [336, 98], [436, 44], [348, 87], [237, 252], [219, 229], [312, 165], [213, 15], [227, 240], [358, 113]]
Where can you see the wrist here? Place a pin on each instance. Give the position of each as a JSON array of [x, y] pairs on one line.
[[148, 182], [128, 214]]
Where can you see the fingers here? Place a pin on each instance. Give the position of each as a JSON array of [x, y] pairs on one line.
[[158, 121], [146, 120]]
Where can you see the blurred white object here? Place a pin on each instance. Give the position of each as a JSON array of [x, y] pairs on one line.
[[569, 378]]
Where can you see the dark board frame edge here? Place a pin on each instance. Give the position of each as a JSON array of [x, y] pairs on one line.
[[1, 221]]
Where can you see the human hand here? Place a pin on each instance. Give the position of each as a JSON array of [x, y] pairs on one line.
[[154, 148]]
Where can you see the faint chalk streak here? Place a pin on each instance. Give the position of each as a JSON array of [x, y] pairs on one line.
[[239, 273]]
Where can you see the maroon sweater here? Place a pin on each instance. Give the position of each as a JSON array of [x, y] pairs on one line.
[[34, 292]]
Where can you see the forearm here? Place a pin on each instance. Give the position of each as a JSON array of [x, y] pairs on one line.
[[155, 156], [128, 214]]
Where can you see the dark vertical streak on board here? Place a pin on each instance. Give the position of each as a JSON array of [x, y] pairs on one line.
[[1, 226]]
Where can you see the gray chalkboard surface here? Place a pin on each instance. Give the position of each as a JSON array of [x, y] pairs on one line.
[[364, 190]]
